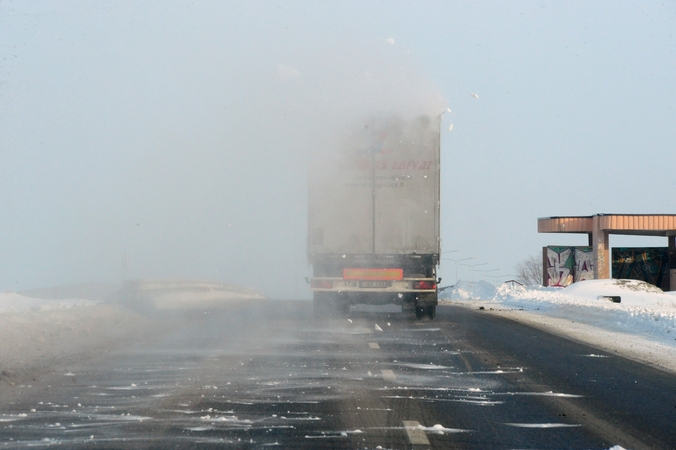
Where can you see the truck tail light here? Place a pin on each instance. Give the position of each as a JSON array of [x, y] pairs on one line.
[[321, 284], [424, 285]]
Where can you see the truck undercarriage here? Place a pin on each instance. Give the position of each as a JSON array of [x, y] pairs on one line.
[[341, 281]]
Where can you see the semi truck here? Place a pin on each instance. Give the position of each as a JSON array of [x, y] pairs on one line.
[[373, 217]]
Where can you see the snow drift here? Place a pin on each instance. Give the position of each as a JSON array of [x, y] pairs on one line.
[[644, 313]]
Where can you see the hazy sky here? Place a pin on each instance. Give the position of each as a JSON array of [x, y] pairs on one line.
[[169, 139]]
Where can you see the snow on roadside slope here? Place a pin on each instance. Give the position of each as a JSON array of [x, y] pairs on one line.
[[41, 333], [50, 326], [644, 313], [13, 302], [465, 290]]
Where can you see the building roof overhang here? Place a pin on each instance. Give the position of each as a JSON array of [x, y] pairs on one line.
[[629, 224]]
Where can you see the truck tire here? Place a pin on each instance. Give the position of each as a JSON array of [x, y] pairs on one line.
[[422, 311], [419, 312]]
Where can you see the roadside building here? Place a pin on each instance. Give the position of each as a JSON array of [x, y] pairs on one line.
[[563, 265]]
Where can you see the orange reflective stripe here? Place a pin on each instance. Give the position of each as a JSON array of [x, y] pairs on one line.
[[373, 274]]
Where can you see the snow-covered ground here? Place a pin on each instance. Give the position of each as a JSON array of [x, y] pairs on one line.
[[42, 327], [641, 326], [11, 302], [36, 334]]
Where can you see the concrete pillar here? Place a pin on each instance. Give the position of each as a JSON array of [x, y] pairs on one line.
[[601, 249], [672, 262]]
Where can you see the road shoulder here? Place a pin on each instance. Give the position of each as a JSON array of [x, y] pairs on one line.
[[635, 347]]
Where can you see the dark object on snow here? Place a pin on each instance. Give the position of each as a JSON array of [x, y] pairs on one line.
[[612, 298], [481, 308]]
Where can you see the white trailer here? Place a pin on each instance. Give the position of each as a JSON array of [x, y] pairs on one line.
[[373, 219]]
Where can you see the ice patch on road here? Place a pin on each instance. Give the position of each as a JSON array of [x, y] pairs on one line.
[[543, 394], [434, 429], [199, 428], [423, 366], [328, 435], [543, 425], [133, 387], [440, 429], [108, 419], [476, 402]]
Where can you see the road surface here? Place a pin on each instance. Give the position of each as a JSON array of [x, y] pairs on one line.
[[266, 375]]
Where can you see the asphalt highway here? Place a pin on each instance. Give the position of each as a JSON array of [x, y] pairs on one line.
[[267, 374]]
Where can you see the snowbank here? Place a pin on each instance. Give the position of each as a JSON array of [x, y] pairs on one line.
[[14, 302], [37, 337], [585, 311], [46, 327], [465, 290]]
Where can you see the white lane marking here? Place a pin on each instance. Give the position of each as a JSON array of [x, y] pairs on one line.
[[416, 433], [388, 375], [374, 345]]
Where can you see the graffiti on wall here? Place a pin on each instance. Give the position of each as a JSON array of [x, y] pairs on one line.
[[560, 263], [584, 264], [650, 264], [566, 265]]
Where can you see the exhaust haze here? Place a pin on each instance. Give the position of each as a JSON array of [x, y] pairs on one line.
[[143, 143]]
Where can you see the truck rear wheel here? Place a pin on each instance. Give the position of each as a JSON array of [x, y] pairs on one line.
[[419, 312], [422, 311]]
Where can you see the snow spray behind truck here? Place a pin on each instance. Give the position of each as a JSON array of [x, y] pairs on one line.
[[373, 219]]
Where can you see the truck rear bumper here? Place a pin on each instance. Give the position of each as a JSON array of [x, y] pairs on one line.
[[405, 285]]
